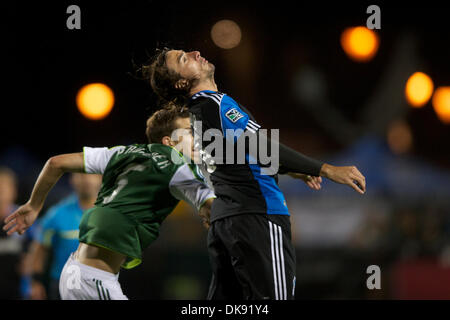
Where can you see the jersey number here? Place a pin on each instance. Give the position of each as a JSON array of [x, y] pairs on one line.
[[122, 181]]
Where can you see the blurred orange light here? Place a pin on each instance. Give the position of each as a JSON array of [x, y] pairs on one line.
[[441, 104], [419, 89], [399, 137], [95, 101], [359, 43], [226, 34]]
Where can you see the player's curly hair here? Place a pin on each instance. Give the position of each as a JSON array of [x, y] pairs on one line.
[[162, 122], [162, 80]]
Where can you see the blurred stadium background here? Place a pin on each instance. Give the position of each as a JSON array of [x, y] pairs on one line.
[[294, 65]]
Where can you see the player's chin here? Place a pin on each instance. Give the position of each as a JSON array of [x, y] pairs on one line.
[[211, 67]]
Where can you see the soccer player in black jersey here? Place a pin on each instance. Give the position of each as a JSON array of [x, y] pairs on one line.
[[249, 241]]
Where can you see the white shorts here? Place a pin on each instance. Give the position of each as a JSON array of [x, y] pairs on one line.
[[81, 282]]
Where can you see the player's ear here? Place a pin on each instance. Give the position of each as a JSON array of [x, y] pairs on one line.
[[167, 141], [181, 84]]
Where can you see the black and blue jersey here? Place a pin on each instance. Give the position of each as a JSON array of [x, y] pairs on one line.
[[240, 188]]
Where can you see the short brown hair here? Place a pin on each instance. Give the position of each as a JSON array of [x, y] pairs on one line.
[[163, 80], [162, 122]]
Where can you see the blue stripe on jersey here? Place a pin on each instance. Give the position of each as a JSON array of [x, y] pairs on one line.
[[231, 116], [275, 201]]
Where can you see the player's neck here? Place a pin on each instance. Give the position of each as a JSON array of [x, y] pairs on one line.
[[207, 84]]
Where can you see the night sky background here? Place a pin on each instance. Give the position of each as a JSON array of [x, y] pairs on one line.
[[44, 64]]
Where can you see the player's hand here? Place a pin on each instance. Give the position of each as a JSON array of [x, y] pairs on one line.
[[21, 219], [311, 181], [205, 213], [205, 216], [206, 223], [349, 175]]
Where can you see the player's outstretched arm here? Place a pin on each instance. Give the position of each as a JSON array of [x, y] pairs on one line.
[[348, 175], [294, 162], [311, 181], [21, 219]]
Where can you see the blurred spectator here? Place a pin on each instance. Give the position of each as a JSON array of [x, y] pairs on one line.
[[405, 233], [58, 235], [371, 235], [25, 266], [418, 231], [10, 247], [433, 236]]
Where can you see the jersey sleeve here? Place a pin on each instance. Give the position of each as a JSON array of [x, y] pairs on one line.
[[96, 159], [233, 117], [222, 112], [184, 185]]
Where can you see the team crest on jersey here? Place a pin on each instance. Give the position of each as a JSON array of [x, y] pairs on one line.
[[234, 115]]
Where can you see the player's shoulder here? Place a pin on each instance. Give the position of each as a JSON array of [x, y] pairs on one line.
[[129, 149], [208, 95], [152, 151], [166, 157], [159, 149], [206, 99], [96, 151]]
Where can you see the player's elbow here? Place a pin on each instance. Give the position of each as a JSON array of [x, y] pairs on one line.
[[55, 162]]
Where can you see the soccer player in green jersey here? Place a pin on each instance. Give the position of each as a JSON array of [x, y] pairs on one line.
[[142, 184]]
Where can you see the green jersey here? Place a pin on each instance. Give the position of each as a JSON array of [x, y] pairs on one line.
[[141, 185]]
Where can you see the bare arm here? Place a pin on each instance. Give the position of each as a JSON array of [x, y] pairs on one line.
[[348, 175], [51, 173], [20, 220], [311, 181], [294, 162]]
